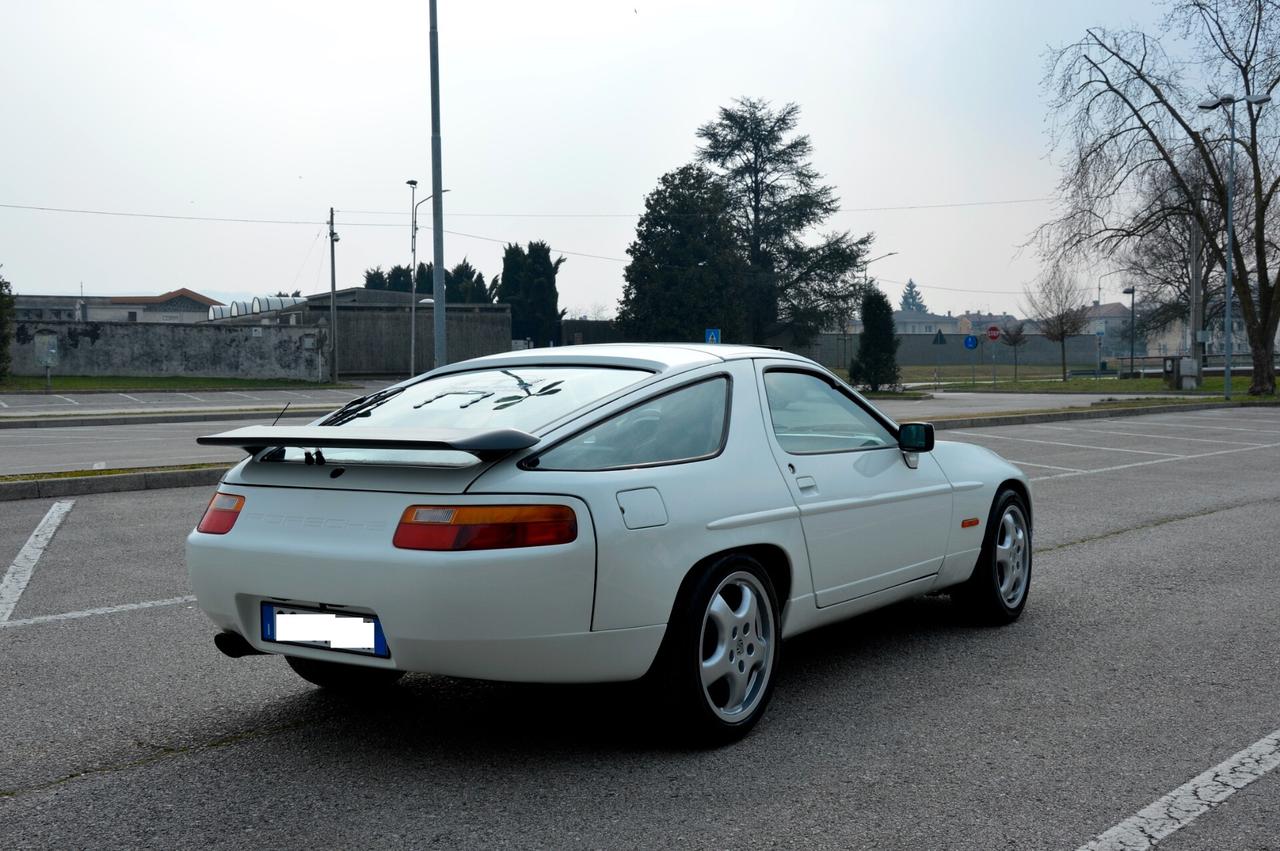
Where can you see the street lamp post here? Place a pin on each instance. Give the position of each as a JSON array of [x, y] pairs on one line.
[[1229, 101], [413, 273], [1132, 293]]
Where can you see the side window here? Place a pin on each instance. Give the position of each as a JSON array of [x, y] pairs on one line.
[[683, 425], [809, 415]]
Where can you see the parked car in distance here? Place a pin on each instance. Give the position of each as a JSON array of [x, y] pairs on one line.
[[599, 513]]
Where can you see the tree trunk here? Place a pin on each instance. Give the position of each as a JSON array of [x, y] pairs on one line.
[[1264, 370], [1063, 344], [1015, 364]]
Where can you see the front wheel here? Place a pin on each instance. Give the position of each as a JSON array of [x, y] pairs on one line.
[[997, 591], [339, 677], [723, 650]]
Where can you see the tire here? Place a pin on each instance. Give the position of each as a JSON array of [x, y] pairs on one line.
[[722, 651], [997, 591], [340, 677]]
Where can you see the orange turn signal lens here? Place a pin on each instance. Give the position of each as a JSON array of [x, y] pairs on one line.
[[972, 521], [484, 527], [221, 514]]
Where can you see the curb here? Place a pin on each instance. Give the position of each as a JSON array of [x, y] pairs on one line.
[[1087, 414], [82, 485], [72, 421]]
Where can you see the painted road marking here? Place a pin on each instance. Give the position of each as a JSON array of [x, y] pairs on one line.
[[19, 572], [189, 396], [1161, 436], [1153, 461], [99, 465], [1191, 800], [1073, 445], [2, 404], [103, 610], [65, 399], [1182, 424], [1046, 466], [245, 395], [131, 398]]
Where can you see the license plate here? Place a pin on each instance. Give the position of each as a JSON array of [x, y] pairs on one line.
[[328, 630]]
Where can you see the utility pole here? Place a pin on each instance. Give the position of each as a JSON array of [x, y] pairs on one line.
[[413, 279], [333, 304], [437, 201]]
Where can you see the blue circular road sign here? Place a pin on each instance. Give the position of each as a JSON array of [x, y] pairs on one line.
[[971, 342]]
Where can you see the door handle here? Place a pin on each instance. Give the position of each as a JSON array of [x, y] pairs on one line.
[[806, 483]]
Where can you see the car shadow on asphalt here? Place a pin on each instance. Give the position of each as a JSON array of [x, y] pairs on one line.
[[447, 717]]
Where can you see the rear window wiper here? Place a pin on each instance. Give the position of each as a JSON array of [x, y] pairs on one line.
[[360, 406]]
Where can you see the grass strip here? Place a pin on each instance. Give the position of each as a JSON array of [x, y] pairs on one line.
[[80, 474]]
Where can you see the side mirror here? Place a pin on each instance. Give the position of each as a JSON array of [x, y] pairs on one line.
[[915, 437]]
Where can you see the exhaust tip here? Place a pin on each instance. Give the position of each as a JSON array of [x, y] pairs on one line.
[[234, 645]]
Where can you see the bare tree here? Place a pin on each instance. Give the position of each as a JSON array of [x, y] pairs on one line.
[[1127, 119], [1014, 335], [1059, 306]]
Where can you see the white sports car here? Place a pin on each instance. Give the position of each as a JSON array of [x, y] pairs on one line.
[[597, 513]]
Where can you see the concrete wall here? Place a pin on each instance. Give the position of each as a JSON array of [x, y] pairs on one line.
[[376, 342], [206, 350]]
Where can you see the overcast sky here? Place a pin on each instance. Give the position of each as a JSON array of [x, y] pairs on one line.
[[279, 110]]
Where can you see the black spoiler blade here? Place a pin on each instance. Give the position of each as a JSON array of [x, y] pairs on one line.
[[487, 444]]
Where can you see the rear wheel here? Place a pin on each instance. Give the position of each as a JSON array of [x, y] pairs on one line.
[[722, 651], [340, 677], [997, 591]]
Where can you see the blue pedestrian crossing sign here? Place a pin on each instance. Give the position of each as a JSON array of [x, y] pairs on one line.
[[713, 335], [971, 342]]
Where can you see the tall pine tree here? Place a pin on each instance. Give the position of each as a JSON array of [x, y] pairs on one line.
[[911, 299]]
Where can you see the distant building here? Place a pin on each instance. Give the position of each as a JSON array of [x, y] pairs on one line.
[[179, 306], [915, 322], [976, 322]]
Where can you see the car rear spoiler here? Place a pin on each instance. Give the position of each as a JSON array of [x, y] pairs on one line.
[[487, 444]]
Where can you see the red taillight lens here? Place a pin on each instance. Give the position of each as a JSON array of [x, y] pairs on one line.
[[484, 527], [221, 514]]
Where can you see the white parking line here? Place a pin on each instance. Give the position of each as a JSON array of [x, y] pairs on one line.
[[1161, 436], [19, 572], [131, 398], [189, 396], [1191, 800], [2, 404], [1072, 445], [245, 395], [99, 465], [1154, 461], [65, 399], [1045, 466], [1182, 424], [104, 610]]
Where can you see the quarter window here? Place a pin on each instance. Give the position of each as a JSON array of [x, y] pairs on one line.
[[684, 425], [811, 416]]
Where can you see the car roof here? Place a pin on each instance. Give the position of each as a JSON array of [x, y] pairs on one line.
[[655, 357]]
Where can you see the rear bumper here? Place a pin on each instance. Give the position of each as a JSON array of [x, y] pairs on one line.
[[497, 615]]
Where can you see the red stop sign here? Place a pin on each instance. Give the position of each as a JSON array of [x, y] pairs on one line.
[[993, 333]]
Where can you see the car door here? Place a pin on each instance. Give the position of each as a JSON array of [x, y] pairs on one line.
[[870, 520]]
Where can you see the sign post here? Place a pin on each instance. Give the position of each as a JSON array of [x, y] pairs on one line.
[[993, 334], [938, 340], [46, 351], [971, 343]]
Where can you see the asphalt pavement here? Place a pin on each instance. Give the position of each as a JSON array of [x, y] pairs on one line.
[[57, 449], [15, 405], [1147, 654]]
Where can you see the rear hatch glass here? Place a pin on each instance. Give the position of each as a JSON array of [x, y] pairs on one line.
[[524, 399]]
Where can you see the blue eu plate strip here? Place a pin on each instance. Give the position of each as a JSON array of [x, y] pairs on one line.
[[268, 622]]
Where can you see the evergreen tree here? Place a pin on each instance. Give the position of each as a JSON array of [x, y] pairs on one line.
[[876, 364], [528, 284], [911, 299], [375, 278], [398, 279], [796, 282], [685, 267]]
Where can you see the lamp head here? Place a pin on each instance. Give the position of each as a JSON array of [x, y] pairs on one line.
[[1258, 100], [411, 182], [1128, 291]]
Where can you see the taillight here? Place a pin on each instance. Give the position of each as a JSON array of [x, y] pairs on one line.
[[221, 514], [484, 527]]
